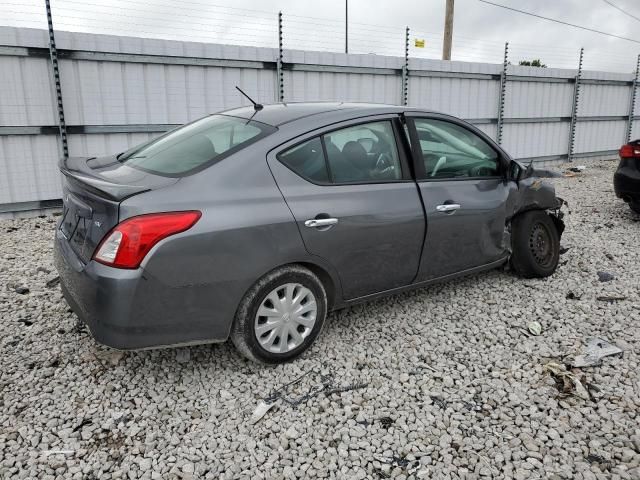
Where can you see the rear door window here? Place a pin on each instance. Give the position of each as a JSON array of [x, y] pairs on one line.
[[196, 145], [365, 153], [307, 160]]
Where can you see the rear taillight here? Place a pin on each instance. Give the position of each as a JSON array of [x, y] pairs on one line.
[[629, 151], [129, 242]]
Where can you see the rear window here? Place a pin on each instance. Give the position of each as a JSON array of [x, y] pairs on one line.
[[196, 145]]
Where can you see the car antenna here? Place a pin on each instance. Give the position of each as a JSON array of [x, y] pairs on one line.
[[257, 106]]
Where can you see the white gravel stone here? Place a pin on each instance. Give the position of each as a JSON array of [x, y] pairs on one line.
[[451, 382]]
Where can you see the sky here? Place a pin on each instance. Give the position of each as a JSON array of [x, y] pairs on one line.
[[375, 26]]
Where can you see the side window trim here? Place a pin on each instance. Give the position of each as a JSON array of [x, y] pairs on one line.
[[403, 144], [418, 156], [416, 151], [326, 160]]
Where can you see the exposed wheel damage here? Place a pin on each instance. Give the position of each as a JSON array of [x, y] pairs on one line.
[[536, 225]]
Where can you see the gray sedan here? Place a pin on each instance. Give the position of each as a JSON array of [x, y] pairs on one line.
[[254, 223]]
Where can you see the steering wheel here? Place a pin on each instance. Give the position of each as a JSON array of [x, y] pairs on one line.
[[384, 167]]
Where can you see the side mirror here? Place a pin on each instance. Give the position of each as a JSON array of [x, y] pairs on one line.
[[515, 171]]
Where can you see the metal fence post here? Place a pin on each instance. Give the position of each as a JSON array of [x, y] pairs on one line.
[[503, 89], [279, 72], [405, 69], [632, 102], [53, 54], [574, 108]]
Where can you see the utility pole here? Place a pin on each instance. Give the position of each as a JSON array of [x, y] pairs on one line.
[[346, 26], [448, 31]]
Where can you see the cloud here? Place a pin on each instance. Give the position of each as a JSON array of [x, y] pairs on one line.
[[375, 26]]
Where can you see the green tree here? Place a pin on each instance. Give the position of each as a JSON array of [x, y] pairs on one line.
[[532, 63]]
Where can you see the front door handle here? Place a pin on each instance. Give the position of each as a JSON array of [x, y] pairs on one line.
[[320, 222], [448, 207]]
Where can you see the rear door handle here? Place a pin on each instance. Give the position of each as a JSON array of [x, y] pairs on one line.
[[320, 222], [448, 207]]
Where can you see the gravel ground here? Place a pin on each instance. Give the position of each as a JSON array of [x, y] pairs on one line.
[[443, 382]]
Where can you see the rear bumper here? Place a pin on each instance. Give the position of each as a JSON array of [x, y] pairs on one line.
[[131, 309], [626, 183]]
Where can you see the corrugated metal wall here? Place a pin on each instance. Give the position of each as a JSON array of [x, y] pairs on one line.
[[462, 97], [119, 98]]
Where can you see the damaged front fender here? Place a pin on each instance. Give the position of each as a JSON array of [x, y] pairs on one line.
[[533, 193]]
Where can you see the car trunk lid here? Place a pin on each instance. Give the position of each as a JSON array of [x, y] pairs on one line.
[[93, 188]]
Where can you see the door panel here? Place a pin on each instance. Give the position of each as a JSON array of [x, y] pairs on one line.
[[375, 244], [459, 173], [469, 236]]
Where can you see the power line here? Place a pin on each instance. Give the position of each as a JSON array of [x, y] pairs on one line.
[[622, 10], [561, 22]]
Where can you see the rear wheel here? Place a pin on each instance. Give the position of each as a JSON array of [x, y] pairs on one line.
[[536, 244], [280, 316]]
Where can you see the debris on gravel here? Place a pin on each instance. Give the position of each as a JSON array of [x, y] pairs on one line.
[[594, 351], [442, 382], [606, 276]]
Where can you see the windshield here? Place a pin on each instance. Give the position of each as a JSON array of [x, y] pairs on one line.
[[196, 145]]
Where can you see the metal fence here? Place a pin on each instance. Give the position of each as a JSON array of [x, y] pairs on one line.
[[91, 94]]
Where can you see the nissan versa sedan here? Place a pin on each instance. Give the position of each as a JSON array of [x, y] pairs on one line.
[[254, 223]]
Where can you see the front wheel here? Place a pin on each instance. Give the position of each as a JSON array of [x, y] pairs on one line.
[[536, 244], [280, 316]]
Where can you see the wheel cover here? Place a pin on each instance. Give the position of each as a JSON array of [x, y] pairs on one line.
[[285, 318], [541, 245]]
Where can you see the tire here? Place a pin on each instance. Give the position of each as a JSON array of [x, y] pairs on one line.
[[265, 345], [536, 244]]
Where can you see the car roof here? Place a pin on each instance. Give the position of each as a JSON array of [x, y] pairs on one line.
[[281, 113]]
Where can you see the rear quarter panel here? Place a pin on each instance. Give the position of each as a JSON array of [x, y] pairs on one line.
[[245, 231]]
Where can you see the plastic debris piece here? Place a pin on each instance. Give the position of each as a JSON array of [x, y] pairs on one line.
[[563, 250], [567, 382], [577, 168], [573, 296], [535, 328], [22, 290], [610, 298], [596, 349], [261, 409], [606, 276]]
